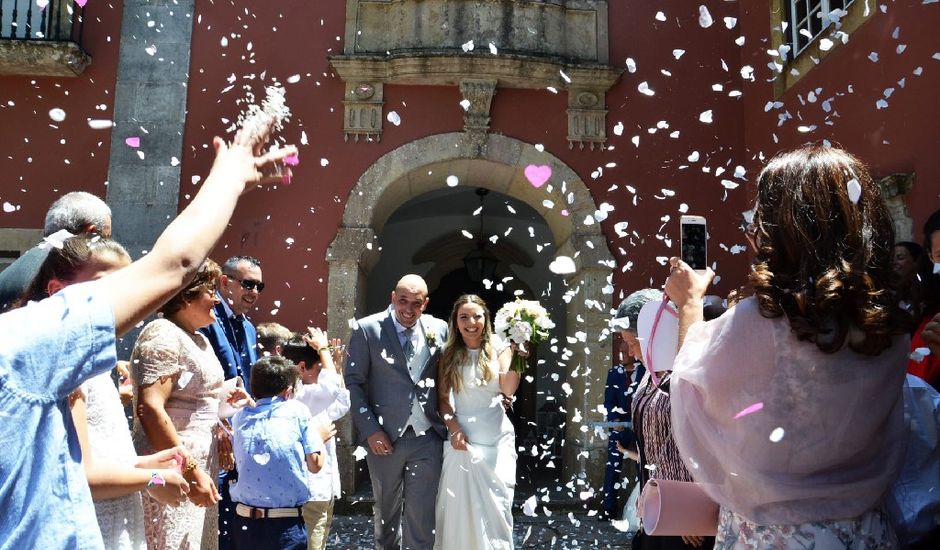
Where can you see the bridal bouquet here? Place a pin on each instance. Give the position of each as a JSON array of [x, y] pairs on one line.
[[522, 322]]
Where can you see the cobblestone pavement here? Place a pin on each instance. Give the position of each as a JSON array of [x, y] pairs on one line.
[[561, 531]]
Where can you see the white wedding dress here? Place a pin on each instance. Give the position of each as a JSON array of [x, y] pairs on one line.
[[474, 499]]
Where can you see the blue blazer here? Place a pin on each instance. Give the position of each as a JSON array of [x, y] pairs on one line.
[[235, 342]]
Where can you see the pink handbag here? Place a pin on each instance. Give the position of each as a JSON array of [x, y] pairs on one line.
[[677, 508]]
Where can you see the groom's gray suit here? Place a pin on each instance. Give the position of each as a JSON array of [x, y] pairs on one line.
[[399, 397]]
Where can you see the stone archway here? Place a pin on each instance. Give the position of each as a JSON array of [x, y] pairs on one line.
[[498, 164]]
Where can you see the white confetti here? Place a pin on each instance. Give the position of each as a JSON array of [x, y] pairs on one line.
[[465, 104], [57, 114], [705, 116], [452, 181], [631, 65], [99, 124], [644, 88], [293, 79], [618, 129], [360, 453], [776, 435], [529, 506], [704, 18], [151, 50], [854, 189], [493, 48], [8, 207], [466, 234], [324, 162], [562, 265], [677, 53], [467, 46], [394, 118], [660, 16], [731, 22], [825, 44]]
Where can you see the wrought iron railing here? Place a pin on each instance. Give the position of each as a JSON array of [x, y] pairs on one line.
[[50, 20]]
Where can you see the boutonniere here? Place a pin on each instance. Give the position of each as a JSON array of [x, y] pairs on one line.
[[431, 339]]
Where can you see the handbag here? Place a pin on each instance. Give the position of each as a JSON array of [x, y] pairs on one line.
[[677, 508]]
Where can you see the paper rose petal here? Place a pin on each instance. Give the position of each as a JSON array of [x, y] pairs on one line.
[[749, 410], [854, 189], [133, 141], [538, 175], [291, 160]]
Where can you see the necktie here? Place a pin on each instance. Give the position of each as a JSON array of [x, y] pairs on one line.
[[409, 347]]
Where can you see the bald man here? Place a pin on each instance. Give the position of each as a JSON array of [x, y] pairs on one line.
[[390, 375]]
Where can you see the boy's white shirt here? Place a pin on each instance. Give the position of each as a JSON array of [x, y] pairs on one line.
[[327, 402]]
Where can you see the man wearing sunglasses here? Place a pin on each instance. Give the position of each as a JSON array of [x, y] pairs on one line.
[[234, 339]]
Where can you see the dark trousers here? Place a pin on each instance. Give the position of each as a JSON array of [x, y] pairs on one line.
[[613, 478], [258, 534], [226, 508]]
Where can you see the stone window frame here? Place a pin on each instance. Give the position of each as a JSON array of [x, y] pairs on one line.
[[793, 66]]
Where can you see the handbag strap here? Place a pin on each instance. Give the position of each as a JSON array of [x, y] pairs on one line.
[[663, 306]]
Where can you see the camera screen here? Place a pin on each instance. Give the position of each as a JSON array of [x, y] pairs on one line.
[[693, 245]]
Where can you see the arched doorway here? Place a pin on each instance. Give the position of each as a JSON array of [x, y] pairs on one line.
[[425, 166]]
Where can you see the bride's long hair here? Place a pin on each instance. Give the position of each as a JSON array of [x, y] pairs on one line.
[[455, 350]]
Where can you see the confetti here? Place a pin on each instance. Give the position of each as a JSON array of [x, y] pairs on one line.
[[293, 79], [467, 46], [919, 354], [538, 174], [562, 265], [644, 88], [452, 181], [529, 506], [618, 129], [261, 458], [705, 116], [394, 118], [56, 114], [8, 207], [751, 409], [99, 124], [133, 141], [704, 17], [854, 189], [660, 16], [776, 435]]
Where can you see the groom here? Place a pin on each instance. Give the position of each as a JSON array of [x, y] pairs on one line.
[[390, 374]]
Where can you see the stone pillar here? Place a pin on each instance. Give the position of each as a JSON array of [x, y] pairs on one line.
[[150, 105], [586, 454], [351, 255]]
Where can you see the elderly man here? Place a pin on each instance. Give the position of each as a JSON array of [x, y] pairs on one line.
[[78, 213], [235, 342], [390, 375]]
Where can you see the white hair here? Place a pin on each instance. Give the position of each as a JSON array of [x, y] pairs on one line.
[[75, 211]]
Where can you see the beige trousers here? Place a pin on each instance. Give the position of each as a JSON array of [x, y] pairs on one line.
[[318, 516]]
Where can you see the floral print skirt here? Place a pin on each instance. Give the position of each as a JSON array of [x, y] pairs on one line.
[[869, 531]]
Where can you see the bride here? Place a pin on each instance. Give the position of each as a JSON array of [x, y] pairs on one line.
[[474, 499]]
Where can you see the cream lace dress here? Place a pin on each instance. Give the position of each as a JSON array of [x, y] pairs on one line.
[[164, 349], [121, 519]]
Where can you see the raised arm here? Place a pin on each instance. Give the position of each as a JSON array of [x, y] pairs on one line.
[[686, 289], [139, 289]]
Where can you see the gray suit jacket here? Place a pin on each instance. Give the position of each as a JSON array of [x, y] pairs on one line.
[[380, 387]]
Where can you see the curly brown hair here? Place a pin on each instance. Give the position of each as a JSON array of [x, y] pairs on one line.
[[206, 278], [823, 260]]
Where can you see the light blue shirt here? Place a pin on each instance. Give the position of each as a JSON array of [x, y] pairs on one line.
[[270, 444], [47, 349]]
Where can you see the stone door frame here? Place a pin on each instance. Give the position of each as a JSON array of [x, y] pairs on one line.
[[403, 174]]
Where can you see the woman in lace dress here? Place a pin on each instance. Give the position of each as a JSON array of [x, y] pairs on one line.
[[789, 406], [115, 473], [474, 499], [177, 385]]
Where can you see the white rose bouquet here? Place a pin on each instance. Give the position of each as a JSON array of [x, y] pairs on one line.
[[522, 322]]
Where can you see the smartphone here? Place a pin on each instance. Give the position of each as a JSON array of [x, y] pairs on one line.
[[692, 240]]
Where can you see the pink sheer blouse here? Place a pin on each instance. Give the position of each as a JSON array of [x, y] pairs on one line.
[[817, 436]]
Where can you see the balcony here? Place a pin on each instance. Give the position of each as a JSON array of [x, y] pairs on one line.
[[42, 38]]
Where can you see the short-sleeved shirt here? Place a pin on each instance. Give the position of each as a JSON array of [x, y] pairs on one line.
[[271, 442], [47, 349]]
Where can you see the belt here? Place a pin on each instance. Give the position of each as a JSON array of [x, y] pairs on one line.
[[246, 511]]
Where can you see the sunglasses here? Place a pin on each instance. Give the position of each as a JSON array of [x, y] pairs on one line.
[[249, 284]]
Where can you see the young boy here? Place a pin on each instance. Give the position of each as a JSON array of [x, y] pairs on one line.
[[327, 398], [276, 444], [271, 338]]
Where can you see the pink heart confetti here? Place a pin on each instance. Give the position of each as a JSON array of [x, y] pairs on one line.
[[749, 410], [133, 141], [564, 212], [291, 160], [81, 3], [538, 175]]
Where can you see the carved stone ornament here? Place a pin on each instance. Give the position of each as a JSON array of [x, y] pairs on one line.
[[362, 111], [587, 118], [479, 94]]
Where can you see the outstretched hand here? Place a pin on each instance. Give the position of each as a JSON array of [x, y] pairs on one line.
[[685, 285], [243, 159]]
